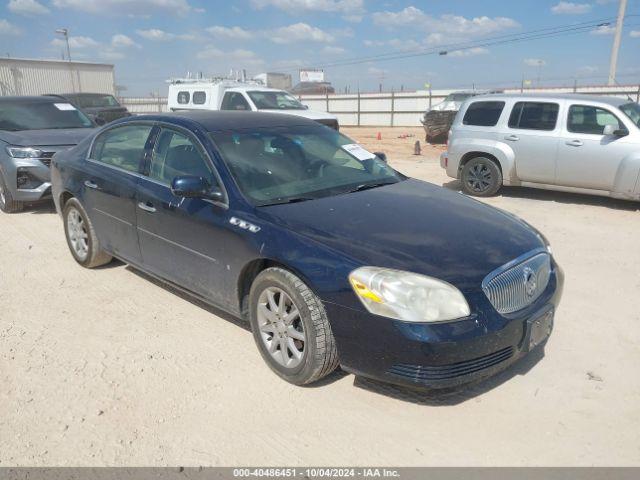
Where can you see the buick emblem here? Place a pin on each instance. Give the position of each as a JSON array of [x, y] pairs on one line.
[[530, 282]]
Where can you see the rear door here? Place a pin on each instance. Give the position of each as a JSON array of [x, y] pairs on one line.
[[586, 157], [532, 132], [183, 239], [109, 186]]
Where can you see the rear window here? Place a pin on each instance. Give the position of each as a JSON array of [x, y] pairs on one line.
[[199, 98], [483, 114], [183, 97], [534, 116]]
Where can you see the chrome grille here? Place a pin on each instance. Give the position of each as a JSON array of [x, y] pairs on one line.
[[46, 158], [518, 284]]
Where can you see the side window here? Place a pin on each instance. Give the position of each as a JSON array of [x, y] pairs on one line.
[[483, 114], [183, 98], [590, 120], [174, 155], [234, 101], [199, 98], [122, 147], [534, 116]]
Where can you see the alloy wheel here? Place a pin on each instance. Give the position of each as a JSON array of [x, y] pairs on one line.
[[479, 178], [77, 232], [281, 328]]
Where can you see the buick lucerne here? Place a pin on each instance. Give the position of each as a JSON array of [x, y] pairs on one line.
[[334, 258]]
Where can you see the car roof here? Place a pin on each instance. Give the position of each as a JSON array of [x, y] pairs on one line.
[[30, 99], [213, 121], [614, 101]]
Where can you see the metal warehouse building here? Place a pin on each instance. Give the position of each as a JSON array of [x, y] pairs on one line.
[[21, 76]]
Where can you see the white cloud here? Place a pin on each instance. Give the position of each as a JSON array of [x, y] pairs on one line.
[[122, 41], [634, 33], [126, 7], [235, 33], [588, 69], [604, 30], [534, 62], [350, 7], [27, 7], [377, 71], [7, 28], [300, 32], [469, 52], [75, 42], [232, 58], [332, 50], [157, 35], [445, 26], [570, 8]]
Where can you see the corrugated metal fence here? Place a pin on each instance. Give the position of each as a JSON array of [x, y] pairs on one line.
[[400, 109]]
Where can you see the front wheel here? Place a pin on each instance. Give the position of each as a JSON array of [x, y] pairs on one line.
[[7, 203], [81, 237], [291, 328], [481, 177]]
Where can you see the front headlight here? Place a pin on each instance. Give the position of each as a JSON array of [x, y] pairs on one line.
[[24, 152], [407, 296]]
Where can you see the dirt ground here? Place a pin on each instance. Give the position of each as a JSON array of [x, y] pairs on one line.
[[105, 367]]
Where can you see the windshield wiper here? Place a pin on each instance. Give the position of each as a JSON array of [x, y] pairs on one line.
[[367, 186], [288, 200]]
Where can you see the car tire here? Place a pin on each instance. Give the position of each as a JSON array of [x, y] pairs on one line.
[[307, 338], [7, 203], [481, 177], [81, 236]]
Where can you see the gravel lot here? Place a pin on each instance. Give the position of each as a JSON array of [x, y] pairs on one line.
[[106, 367]]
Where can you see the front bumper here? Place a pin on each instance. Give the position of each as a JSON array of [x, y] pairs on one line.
[[34, 174], [438, 355]]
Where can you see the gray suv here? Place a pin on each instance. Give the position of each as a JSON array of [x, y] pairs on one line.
[[574, 143], [32, 129]]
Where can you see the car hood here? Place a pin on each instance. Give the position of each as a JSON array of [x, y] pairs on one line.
[[414, 226], [53, 137], [310, 114]]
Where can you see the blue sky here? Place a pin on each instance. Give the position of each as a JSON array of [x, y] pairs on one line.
[[152, 40]]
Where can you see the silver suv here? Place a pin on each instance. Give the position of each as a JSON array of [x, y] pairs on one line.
[[573, 143]]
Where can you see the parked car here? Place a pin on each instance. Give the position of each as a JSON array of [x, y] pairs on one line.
[[573, 143], [332, 256], [224, 94], [102, 108], [32, 129]]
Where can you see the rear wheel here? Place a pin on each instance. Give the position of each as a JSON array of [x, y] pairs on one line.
[[81, 237], [7, 203], [481, 177], [291, 328]]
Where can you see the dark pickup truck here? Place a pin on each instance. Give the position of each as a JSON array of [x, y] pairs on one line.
[[102, 108]]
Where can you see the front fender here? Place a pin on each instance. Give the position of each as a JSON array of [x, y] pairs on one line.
[[501, 151], [627, 182]]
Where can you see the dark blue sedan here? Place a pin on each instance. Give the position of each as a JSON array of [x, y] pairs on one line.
[[332, 256]]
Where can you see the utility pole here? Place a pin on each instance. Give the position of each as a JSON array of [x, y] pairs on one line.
[[65, 33], [616, 42]]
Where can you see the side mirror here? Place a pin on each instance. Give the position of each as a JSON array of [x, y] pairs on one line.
[[615, 131], [97, 120], [190, 186], [381, 155]]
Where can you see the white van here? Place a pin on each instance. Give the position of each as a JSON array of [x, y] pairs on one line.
[[221, 94]]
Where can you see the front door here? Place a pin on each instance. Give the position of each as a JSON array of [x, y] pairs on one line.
[[183, 239], [532, 133], [110, 187], [586, 157]]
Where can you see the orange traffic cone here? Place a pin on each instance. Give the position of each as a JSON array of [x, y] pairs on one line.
[[379, 137]]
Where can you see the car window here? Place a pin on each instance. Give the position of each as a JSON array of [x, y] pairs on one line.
[[632, 110], [483, 114], [590, 120], [234, 101], [175, 155], [268, 100], [122, 147], [534, 116], [199, 98], [183, 98]]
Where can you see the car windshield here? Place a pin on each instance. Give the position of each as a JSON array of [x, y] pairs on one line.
[[283, 165], [265, 100], [632, 110], [41, 116], [95, 101]]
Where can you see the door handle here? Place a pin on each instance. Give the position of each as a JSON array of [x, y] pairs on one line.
[[147, 207], [90, 184], [512, 138], [574, 143]]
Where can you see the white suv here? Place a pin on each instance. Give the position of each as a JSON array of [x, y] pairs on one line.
[[574, 143]]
